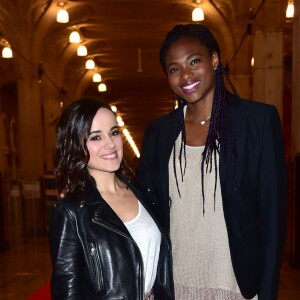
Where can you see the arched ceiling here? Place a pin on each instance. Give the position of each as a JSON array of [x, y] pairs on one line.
[[114, 32]]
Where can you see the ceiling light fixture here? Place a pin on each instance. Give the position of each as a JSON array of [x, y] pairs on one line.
[[120, 121], [131, 142], [102, 87], [90, 64], [97, 77], [290, 10], [126, 132], [114, 108], [197, 14], [62, 15], [81, 50], [7, 52], [74, 37]]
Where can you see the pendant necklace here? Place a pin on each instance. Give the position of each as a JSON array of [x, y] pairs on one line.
[[201, 122], [204, 121]]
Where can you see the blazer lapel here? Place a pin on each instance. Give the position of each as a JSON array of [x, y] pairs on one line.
[[165, 146], [228, 175]]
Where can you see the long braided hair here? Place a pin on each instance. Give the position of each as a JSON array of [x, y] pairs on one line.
[[220, 132]]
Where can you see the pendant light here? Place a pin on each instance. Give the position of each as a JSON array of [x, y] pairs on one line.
[[62, 15], [102, 87], [74, 37], [90, 64], [290, 10], [197, 14], [114, 108], [96, 77], [7, 52], [81, 50]]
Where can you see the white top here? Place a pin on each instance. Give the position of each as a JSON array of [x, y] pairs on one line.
[[148, 238], [201, 257]]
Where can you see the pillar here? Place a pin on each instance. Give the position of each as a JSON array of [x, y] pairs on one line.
[[31, 142], [268, 54]]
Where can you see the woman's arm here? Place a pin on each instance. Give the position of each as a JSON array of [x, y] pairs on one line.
[[66, 256]]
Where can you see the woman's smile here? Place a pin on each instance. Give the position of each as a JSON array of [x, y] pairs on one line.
[[190, 87], [109, 156], [188, 64]]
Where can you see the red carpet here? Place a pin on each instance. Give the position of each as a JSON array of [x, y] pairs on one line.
[[42, 293]]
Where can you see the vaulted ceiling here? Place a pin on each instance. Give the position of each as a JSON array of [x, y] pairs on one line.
[[123, 37]]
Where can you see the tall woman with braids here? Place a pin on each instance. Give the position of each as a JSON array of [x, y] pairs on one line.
[[216, 165]]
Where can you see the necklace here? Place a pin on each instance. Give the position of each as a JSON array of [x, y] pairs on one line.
[[204, 121], [201, 122]]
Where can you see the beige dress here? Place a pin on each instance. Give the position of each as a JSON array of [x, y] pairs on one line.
[[201, 257]]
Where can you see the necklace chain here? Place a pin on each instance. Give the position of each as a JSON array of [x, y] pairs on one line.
[[201, 122], [204, 121]]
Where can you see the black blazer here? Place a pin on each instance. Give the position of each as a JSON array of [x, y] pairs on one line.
[[94, 255], [253, 199]]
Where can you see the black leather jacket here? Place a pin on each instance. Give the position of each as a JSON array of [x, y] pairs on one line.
[[94, 256]]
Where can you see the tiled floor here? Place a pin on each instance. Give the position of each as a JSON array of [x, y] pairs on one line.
[[26, 266]]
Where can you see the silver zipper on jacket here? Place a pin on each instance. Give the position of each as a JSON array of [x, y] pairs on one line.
[[141, 273], [96, 267]]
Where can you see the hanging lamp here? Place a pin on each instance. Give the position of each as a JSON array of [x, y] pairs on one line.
[[74, 37], [290, 10], [197, 14], [96, 77], [62, 15], [7, 52], [90, 64], [102, 87], [81, 50]]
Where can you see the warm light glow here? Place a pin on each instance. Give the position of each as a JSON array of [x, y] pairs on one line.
[[290, 10], [7, 53], [62, 16], [74, 37], [252, 62], [82, 51], [126, 132], [102, 87], [198, 14], [120, 121], [61, 104], [97, 77], [176, 103], [131, 142], [90, 64]]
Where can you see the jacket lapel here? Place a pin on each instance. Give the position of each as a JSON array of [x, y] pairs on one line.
[[101, 212], [163, 155], [228, 175]]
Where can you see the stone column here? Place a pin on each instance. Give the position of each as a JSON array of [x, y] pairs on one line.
[[31, 142], [30, 123], [52, 109], [268, 54]]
